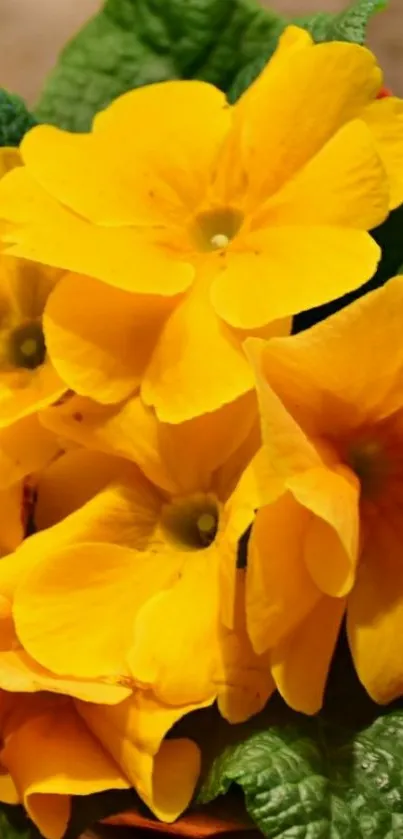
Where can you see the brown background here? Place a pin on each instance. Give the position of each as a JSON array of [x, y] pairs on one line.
[[33, 31]]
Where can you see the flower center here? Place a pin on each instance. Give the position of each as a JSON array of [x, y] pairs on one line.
[[26, 345], [191, 523], [215, 229], [368, 460]]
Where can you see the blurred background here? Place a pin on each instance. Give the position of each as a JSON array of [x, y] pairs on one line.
[[32, 33]]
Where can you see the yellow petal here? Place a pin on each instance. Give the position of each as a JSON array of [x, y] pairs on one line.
[[315, 265], [344, 185], [73, 763], [20, 673], [110, 429], [314, 105], [287, 450], [300, 663], [101, 348], [28, 391], [375, 609], [385, 120], [193, 451], [82, 625], [313, 374], [164, 773], [25, 447], [179, 381], [183, 126], [330, 546], [10, 158], [179, 663], [279, 591], [8, 790], [44, 231]]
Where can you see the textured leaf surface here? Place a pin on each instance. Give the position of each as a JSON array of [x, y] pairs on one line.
[[137, 42], [15, 119], [15, 825], [308, 779]]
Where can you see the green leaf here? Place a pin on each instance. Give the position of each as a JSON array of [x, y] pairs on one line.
[[349, 25], [14, 824], [310, 779], [15, 119], [136, 42]]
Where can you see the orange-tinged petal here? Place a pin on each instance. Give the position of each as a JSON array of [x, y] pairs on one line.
[[287, 449], [272, 108], [385, 121], [375, 609], [55, 602], [11, 518], [313, 375], [73, 762], [300, 663], [101, 347], [279, 591], [163, 772], [330, 546], [198, 364], [284, 270], [344, 184], [183, 125], [126, 258]]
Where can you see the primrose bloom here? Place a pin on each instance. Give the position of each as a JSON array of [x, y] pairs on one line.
[[161, 604], [205, 222], [49, 754], [329, 541]]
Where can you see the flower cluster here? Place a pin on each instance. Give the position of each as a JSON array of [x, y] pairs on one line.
[[192, 498]]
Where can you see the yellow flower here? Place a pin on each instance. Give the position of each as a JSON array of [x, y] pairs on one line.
[[160, 605], [28, 380], [330, 538], [130, 725], [205, 222], [47, 755], [54, 748]]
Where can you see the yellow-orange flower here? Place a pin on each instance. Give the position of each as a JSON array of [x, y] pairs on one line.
[[205, 222], [53, 748], [47, 755], [28, 381], [330, 538], [160, 605]]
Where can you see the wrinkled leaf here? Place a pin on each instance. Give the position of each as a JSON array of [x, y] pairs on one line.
[[308, 779], [15, 119], [137, 42]]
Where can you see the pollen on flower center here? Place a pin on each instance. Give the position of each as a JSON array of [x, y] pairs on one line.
[[214, 230], [26, 346], [191, 522]]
